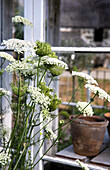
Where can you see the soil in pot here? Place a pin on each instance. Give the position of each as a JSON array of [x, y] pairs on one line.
[[87, 134]]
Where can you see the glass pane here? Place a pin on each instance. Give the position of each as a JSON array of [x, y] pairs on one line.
[[18, 9], [85, 23]]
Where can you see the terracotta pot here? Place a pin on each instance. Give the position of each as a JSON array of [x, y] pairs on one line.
[[107, 116], [87, 134]]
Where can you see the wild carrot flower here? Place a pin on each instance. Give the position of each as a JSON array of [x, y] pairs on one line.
[[38, 97], [88, 111], [7, 56], [88, 78], [17, 66], [19, 46], [100, 92], [19, 19], [53, 61], [23, 67]]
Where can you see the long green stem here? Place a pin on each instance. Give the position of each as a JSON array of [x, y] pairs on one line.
[[39, 149], [38, 72], [2, 62], [50, 81], [21, 140], [92, 99], [43, 127], [8, 100], [20, 157], [18, 57], [43, 76], [17, 36]]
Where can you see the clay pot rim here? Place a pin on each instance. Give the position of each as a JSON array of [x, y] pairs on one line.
[[107, 115], [100, 121]]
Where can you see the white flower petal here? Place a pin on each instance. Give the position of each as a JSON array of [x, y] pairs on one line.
[[38, 97], [88, 111], [89, 79], [97, 90], [7, 56], [20, 19], [19, 46]]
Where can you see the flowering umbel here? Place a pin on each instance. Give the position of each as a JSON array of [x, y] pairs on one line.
[[98, 91], [88, 78], [7, 56], [85, 108], [19, 19], [19, 46]]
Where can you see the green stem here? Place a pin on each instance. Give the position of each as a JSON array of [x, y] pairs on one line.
[[18, 57], [43, 75], [38, 72], [4, 84], [92, 99], [3, 62], [50, 81], [20, 157], [8, 101], [19, 31], [39, 149], [21, 141], [44, 127], [23, 134]]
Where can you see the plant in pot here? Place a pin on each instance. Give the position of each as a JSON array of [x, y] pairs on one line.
[[88, 130], [32, 100]]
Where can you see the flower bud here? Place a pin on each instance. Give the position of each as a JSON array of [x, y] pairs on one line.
[[42, 49]]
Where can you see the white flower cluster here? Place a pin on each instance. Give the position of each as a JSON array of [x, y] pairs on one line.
[[88, 111], [38, 97], [17, 66], [97, 90], [4, 157], [53, 61], [88, 78], [22, 20], [19, 46], [51, 134], [7, 56], [83, 166], [25, 68], [4, 92]]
